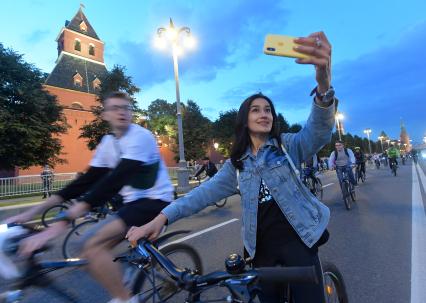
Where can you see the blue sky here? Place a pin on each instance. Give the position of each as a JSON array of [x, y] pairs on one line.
[[378, 52]]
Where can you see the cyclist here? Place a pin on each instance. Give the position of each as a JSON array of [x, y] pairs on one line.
[[208, 167], [126, 161], [360, 159], [311, 167], [282, 224], [376, 159], [342, 159], [393, 155]]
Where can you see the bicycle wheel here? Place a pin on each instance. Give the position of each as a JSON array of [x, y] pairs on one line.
[[346, 191], [394, 170], [318, 189], [183, 256], [362, 177], [73, 242], [352, 192], [334, 285], [49, 215], [221, 203]]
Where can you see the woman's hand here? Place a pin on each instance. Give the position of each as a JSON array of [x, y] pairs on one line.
[[318, 47], [151, 230]]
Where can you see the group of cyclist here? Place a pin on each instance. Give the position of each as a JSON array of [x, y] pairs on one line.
[[282, 223]]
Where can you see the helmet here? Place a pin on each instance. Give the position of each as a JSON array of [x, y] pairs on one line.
[[357, 148], [11, 267]]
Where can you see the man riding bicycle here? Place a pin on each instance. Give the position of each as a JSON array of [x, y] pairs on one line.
[[393, 155], [360, 159], [126, 161], [208, 167], [342, 159], [311, 167]]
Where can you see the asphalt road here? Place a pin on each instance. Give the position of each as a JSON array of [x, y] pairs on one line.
[[375, 244]]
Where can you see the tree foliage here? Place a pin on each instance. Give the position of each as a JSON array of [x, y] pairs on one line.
[[223, 130], [30, 118], [114, 80]]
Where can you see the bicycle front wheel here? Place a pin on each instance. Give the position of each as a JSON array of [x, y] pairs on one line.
[[154, 285], [318, 189], [334, 285], [49, 215], [73, 242], [346, 193], [221, 203]]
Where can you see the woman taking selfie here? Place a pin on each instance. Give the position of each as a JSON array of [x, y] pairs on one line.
[[282, 222]]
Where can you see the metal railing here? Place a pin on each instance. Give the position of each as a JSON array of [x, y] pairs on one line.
[[22, 185]]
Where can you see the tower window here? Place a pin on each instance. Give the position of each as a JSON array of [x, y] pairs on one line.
[[77, 45], [83, 26], [91, 49], [77, 105], [96, 84], [78, 80]]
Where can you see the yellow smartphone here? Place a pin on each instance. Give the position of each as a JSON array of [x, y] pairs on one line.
[[281, 45]]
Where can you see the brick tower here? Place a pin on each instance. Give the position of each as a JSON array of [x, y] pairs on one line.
[[75, 80]]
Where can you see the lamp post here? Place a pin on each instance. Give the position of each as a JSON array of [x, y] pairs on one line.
[[367, 131], [388, 142], [381, 141], [172, 36], [339, 117]]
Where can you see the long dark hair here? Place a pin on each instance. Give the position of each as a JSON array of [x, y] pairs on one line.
[[242, 138]]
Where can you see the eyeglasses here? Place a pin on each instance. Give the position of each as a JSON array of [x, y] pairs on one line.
[[116, 108]]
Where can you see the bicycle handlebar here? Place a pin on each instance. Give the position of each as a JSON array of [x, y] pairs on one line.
[[188, 280]]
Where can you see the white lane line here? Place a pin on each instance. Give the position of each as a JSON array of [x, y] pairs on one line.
[[418, 243], [198, 233], [19, 205], [327, 185]]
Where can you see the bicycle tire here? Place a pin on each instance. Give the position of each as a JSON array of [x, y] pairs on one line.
[[68, 246], [141, 279], [394, 170], [345, 189], [319, 189], [352, 192], [363, 177], [221, 203], [334, 284], [49, 214]]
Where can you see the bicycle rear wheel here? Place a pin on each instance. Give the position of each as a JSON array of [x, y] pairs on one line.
[[183, 256], [318, 189], [73, 242], [221, 203], [334, 285]]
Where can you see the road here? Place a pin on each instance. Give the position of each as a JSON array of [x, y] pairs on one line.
[[379, 245]]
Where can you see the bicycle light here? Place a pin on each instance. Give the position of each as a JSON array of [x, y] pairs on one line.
[[235, 264]]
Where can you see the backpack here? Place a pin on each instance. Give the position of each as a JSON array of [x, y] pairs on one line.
[[346, 152]]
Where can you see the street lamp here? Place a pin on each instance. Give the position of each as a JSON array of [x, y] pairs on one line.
[[368, 132], [216, 145], [381, 141], [171, 36], [339, 117], [388, 142]]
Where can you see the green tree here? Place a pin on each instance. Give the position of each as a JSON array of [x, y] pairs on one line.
[[30, 118], [294, 128], [196, 132], [223, 131], [114, 80], [162, 118], [283, 124]]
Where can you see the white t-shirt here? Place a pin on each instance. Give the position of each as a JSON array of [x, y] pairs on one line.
[[137, 144]]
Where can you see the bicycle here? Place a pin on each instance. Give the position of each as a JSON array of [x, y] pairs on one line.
[[312, 182], [49, 215], [394, 166], [219, 204], [348, 189], [377, 162], [34, 272], [359, 173], [162, 280]]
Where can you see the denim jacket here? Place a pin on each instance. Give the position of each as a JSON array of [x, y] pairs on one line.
[[308, 216]]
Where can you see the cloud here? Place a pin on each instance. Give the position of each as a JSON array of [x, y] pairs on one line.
[[225, 36], [37, 36], [376, 90]]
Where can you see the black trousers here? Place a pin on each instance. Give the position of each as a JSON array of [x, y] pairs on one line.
[[293, 253]]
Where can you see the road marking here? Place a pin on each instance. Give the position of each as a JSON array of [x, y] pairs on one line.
[[2, 208], [200, 232], [418, 243], [327, 185]]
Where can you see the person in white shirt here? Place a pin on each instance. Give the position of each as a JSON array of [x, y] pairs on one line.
[[126, 162], [342, 159]]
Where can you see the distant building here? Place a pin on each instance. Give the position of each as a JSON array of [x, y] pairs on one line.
[[404, 138]]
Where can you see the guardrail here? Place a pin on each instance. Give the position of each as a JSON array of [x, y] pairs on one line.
[[22, 185]]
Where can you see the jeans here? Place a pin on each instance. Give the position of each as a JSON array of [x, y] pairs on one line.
[[349, 171]]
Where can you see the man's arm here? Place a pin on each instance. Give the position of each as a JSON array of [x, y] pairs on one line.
[[202, 168]]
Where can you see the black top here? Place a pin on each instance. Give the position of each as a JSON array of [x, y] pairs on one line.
[[210, 169], [272, 225]]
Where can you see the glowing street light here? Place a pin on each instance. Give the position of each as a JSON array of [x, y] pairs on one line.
[[339, 117], [216, 145], [367, 131], [381, 141], [170, 36]]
